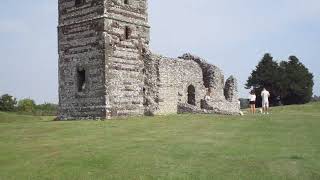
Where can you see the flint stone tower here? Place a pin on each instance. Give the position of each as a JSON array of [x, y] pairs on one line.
[[107, 70], [100, 57]]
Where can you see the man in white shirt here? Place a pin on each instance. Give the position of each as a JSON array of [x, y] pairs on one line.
[[265, 101]]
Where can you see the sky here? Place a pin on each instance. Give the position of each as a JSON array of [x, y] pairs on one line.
[[232, 34]]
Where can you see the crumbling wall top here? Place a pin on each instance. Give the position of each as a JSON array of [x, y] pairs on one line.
[[212, 75]]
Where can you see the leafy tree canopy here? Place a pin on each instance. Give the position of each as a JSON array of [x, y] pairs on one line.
[[289, 82], [296, 83], [7, 102], [26, 105]]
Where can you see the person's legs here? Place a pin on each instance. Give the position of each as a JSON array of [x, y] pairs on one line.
[[267, 107], [254, 109], [264, 109], [251, 108]]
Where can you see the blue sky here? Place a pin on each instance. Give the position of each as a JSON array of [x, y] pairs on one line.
[[232, 34]]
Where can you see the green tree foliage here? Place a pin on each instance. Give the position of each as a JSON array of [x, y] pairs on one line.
[[46, 109], [266, 75], [7, 103], [26, 105], [296, 83], [291, 82]]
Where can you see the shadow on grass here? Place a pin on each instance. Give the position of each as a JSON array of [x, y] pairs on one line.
[[296, 157]]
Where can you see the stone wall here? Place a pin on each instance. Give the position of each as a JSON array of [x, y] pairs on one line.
[[151, 82], [81, 47], [213, 77], [231, 89], [172, 77], [229, 104], [175, 76], [105, 39], [128, 39], [167, 81]]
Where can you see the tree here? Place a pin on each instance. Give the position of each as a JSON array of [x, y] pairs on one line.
[[7, 103], [47, 109], [296, 83], [289, 82], [26, 105], [266, 75]]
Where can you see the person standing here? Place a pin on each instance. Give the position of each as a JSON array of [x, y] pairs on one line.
[[265, 101], [253, 98]]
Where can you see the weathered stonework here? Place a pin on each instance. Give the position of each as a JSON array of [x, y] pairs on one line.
[[107, 70]]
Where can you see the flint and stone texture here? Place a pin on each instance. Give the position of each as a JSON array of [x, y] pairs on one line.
[[213, 77], [230, 89], [106, 68], [175, 77]]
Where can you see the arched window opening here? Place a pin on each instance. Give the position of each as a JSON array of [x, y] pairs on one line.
[[126, 1], [191, 95]]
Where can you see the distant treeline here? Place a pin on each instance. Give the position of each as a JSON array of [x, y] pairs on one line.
[[9, 103]]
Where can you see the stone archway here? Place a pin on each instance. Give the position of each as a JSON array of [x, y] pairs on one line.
[[191, 95]]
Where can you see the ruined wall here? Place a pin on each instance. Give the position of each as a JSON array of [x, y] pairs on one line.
[[151, 83], [81, 47], [229, 104], [175, 76], [231, 90], [221, 97], [213, 77]]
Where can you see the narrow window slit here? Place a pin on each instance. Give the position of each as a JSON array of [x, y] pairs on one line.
[[127, 32], [81, 75]]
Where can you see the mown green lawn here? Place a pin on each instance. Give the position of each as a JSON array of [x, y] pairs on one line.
[[284, 145]]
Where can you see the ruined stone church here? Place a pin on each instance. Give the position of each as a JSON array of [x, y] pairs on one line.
[[107, 70]]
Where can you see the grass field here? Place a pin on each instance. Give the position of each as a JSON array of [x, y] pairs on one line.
[[283, 145]]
